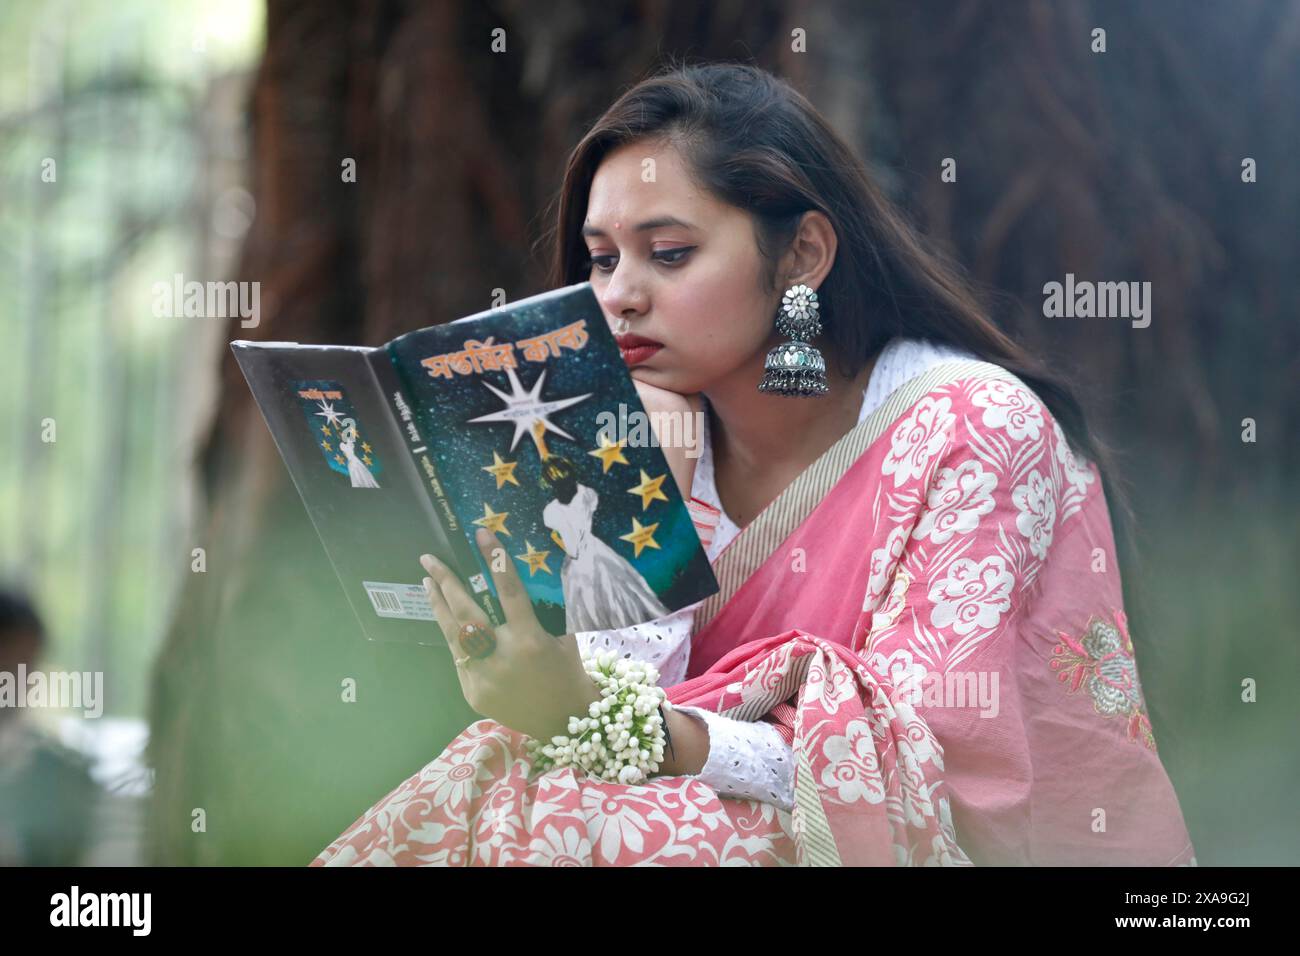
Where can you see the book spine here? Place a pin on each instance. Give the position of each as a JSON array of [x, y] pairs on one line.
[[418, 443]]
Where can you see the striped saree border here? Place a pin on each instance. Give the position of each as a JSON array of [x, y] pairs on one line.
[[817, 839], [761, 537], [753, 709]]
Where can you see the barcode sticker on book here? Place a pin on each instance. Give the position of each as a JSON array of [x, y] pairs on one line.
[[406, 601]]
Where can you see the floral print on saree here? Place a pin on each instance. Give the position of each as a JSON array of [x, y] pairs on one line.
[[951, 532]]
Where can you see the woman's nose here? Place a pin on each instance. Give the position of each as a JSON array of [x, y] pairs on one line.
[[623, 297]]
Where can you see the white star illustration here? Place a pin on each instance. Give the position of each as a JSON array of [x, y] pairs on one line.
[[328, 412], [525, 408]]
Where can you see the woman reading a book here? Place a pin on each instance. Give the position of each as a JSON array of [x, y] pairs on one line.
[[919, 654]]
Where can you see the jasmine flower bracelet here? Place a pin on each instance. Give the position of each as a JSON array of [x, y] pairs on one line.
[[622, 737]]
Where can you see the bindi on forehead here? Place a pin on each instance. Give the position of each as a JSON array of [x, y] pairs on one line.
[[658, 222]]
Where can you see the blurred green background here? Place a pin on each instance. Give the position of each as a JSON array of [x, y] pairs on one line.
[[140, 107]]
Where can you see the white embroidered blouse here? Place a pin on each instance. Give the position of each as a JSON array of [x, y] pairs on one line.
[[746, 758]]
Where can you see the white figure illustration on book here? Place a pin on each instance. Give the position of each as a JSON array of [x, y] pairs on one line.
[[602, 590], [357, 471]]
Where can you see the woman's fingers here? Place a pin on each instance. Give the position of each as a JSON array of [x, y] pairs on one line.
[[443, 614], [450, 602], [515, 603]]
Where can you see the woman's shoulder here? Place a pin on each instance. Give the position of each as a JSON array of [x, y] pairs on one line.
[[978, 395], [937, 368], [905, 361], [910, 371], [951, 400]]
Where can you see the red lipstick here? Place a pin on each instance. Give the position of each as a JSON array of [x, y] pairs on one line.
[[636, 348]]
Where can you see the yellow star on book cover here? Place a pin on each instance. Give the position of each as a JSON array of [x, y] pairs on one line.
[[609, 453], [535, 559], [502, 470], [649, 489], [493, 520], [640, 537]]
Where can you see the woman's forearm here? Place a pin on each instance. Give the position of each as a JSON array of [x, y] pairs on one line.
[[660, 403], [740, 759], [683, 470], [682, 467], [690, 749]]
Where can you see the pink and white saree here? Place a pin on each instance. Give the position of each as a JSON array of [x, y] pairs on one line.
[[931, 615]]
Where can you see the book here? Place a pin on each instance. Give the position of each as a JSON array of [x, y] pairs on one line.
[[522, 419]]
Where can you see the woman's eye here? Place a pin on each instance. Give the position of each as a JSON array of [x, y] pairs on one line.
[[673, 256], [669, 257]]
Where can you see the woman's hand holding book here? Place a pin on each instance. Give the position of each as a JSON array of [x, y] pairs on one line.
[[533, 681]]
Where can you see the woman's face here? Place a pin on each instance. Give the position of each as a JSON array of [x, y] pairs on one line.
[[677, 266]]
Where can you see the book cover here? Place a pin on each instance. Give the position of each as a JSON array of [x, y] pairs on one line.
[[523, 420]]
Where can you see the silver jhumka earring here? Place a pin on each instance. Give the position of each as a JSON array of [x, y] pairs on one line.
[[796, 368]]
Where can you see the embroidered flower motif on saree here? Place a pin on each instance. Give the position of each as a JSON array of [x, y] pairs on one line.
[[894, 604], [555, 848], [883, 563], [973, 595], [852, 769], [1037, 506], [1008, 406], [918, 438], [1075, 472], [958, 498], [1102, 662]]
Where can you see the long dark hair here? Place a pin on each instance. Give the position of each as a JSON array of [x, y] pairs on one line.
[[560, 475], [755, 142]]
